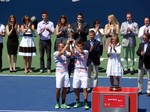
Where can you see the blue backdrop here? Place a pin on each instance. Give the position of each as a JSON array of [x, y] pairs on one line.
[[92, 9]]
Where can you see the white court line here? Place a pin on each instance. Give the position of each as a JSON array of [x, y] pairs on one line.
[[122, 59], [49, 76]]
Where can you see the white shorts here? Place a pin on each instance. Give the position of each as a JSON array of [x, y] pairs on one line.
[[62, 79], [80, 79]]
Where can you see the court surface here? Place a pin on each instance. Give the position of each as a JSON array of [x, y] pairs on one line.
[[37, 94]]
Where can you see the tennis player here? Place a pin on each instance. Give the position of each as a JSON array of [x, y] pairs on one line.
[[62, 77], [80, 77]]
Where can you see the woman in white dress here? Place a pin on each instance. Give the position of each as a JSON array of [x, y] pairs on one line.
[[114, 65], [27, 47]]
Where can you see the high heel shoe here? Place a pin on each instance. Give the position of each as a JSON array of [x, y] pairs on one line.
[[14, 69], [29, 69], [11, 70], [25, 71]]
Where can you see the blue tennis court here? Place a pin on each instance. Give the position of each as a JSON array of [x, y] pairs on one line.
[[37, 94]]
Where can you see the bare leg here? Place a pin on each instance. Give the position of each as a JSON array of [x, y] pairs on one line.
[[112, 80], [29, 63], [25, 64], [85, 94], [117, 80], [9, 62], [64, 91], [14, 62], [77, 93], [57, 94]]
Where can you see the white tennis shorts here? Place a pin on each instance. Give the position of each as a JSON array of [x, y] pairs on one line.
[[62, 79], [80, 79]]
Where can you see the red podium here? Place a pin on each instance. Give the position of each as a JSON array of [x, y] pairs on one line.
[[104, 100]]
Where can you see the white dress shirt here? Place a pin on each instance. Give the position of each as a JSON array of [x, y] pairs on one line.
[[98, 36], [141, 32], [145, 46], [46, 35], [2, 30]]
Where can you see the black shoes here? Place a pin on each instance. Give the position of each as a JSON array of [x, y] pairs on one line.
[[132, 72], [125, 72]]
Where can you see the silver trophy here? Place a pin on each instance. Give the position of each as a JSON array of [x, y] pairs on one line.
[[69, 30]]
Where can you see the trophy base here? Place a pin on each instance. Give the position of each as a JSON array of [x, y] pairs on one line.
[[115, 88]]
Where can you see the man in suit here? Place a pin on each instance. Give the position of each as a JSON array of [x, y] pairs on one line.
[[129, 31], [93, 46], [144, 62], [81, 28]]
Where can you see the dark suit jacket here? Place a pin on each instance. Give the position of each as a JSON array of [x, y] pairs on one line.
[[94, 54], [84, 31], [144, 59]]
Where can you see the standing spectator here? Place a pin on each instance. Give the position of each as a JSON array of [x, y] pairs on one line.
[[62, 76], [81, 28], [45, 30], [129, 31], [61, 30], [12, 30], [114, 66], [93, 46], [80, 77], [144, 29], [112, 27], [144, 63], [2, 34], [99, 34], [27, 47]]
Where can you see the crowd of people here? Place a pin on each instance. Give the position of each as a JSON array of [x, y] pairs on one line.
[[75, 53]]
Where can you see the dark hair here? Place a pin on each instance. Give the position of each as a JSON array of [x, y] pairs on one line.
[[79, 41], [147, 35], [92, 31], [80, 14], [25, 18], [66, 21], [97, 21], [61, 42], [44, 12], [129, 13]]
